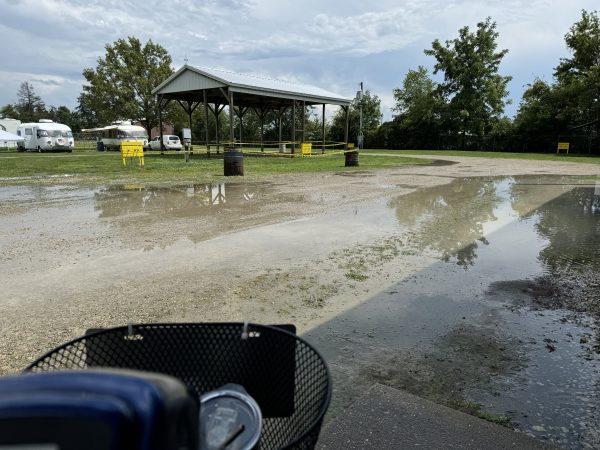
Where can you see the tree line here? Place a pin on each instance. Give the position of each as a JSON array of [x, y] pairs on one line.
[[465, 110]]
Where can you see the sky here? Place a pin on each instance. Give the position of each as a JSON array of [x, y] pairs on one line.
[[326, 43]]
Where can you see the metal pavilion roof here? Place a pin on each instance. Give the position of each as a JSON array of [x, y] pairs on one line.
[[189, 83]]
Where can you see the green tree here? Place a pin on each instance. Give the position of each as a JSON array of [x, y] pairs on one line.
[[371, 109], [419, 105], [120, 87], [86, 114], [548, 110], [30, 106], [474, 90], [541, 111], [9, 112], [579, 75], [62, 114], [418, 99]]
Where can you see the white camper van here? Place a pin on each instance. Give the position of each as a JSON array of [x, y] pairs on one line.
[[45, 136], [110, 137]]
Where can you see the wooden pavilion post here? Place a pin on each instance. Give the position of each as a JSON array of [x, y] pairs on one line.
[[217, 114], [323, 130], [303, 121], [160, 124], [190, 111], [231, 112], [347, 111], [206, 123], [262, 129], [280, 120], [293, 127]]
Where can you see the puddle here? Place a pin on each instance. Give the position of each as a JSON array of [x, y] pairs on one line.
[[501, 322], [468, 331]]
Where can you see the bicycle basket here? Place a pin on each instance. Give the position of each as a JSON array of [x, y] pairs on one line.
[[285, 375]]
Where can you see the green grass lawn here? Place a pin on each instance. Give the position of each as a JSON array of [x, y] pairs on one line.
[[91, 167]]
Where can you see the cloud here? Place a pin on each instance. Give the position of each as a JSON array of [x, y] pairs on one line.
[[320, 42], [48, 86]]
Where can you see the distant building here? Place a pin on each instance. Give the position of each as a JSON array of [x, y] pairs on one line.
[[168, 128], [11, 126]]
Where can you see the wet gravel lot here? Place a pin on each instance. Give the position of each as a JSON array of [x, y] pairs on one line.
[[466, 283]]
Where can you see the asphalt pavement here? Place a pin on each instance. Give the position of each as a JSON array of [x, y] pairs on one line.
[[386, 418]]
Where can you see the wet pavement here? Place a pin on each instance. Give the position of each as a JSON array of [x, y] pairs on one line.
[[455, 333]]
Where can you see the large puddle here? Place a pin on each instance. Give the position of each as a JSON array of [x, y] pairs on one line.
[[500, 324], [467, 331]]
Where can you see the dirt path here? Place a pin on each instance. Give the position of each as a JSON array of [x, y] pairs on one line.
[[295, 248]]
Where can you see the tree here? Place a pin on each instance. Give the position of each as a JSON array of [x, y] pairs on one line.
[[573, 99], [417, 98], [419, 105], [580, 74], [120, 87], [472, 87], [541, 111], [371, 108], [86, 114], [29, 106], [9, 112]]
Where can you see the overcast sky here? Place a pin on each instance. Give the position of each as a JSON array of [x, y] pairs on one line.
[[326, 43]]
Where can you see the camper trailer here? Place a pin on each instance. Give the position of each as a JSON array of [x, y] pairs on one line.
[[110, 137], [45, 135]]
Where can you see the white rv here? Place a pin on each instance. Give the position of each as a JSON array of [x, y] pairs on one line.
[[110, 137], [45, 136]]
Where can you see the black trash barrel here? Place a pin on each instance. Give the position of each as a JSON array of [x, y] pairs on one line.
[[100, 146], [352, 159], [233, 162]]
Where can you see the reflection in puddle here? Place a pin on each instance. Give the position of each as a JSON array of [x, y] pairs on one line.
[[465, 330], [194, 212], [180, 201], [456, 219]]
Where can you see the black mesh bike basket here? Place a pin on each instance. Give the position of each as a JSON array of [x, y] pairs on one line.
[[286, 376]]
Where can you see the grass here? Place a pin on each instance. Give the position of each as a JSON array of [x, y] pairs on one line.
[[88, 166], [476, 409], [356, 276]]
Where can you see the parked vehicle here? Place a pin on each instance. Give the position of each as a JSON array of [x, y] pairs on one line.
[[45, 135], [170, 141], [110, 137]]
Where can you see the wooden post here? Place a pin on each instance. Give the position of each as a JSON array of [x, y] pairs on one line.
[[190, 110], [280, 124], [206, 124], [262, 128], [160, 124], [323, 130], [303, 121], [293, 127], [347, 109], [217, 114], [231, 131]]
